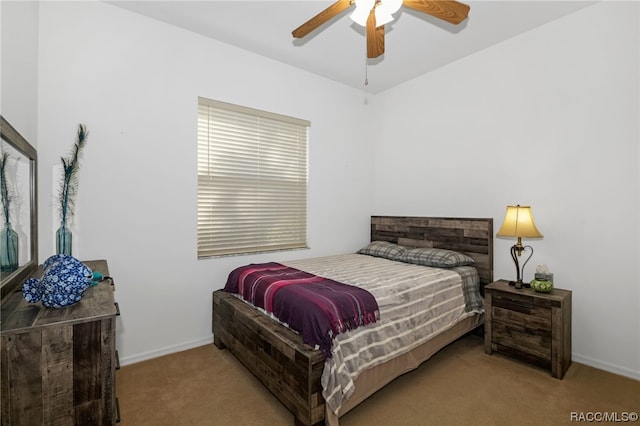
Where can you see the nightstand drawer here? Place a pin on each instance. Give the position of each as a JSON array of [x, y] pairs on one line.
[[536, 318], [540, 361], [522, 341], [520, 303]]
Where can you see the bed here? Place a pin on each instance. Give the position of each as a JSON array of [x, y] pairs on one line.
[[293, 371]]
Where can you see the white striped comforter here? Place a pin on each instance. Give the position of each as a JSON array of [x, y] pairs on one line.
[[416, 303]]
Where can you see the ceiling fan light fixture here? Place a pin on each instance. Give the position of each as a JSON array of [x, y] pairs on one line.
[[361, 13], [384, 11], [389, 6], [383, 18]]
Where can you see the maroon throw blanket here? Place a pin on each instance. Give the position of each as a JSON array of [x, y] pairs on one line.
[[318, 308]]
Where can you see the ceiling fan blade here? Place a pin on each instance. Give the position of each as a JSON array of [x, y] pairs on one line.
[[321, 18], [450, 11], [375, 36]]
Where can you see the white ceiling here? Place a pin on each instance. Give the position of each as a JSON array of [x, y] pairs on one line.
[[415, 43]]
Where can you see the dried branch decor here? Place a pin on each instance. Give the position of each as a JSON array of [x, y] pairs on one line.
[[69, 189], [4, 188], [69, 181], [8, 237]]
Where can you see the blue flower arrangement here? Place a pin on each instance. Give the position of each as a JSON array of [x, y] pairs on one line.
[[63, 282]]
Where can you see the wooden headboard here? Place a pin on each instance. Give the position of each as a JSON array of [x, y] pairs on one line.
[[474, 237]]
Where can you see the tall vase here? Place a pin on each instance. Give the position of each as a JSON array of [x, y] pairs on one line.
[[8, 249], [63, 240]]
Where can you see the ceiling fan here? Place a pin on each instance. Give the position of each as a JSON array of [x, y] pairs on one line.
[[373, 14]]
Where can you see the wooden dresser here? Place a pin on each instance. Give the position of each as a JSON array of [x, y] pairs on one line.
[[58, 365], [532, 326]]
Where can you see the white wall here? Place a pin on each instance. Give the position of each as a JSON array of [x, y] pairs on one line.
[[135, 82], [550, 119], [19, 66]]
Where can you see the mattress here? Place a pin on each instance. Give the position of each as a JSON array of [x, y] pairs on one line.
[[416, 303]]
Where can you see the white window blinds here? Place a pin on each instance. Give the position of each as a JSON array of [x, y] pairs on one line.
[[252, 180]]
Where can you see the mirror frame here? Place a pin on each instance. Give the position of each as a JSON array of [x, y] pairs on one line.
[[20, 144]]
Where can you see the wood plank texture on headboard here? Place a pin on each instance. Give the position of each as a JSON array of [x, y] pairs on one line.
[[471, 236]]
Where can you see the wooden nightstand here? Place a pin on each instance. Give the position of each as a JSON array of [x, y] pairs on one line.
[[532, 326]]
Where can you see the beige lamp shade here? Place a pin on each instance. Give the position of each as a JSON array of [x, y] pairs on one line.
[[518, 222]]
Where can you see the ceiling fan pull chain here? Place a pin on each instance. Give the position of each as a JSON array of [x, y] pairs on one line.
[[366, 71]]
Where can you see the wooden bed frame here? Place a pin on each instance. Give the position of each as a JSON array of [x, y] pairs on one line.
[[292, 370]]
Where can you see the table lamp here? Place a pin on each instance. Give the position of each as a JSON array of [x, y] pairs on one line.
[[518, 223]]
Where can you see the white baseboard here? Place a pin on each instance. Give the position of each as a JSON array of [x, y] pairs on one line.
[[611, 368], [165, 351]]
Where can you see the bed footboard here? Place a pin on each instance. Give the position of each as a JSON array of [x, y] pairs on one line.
[[289, 368]]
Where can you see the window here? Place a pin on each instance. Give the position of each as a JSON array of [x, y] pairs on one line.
[[252, 180]]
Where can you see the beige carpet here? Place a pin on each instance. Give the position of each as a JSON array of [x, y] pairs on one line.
[[461, 385]]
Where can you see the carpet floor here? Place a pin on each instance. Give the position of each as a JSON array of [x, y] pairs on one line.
[[460, 385]]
